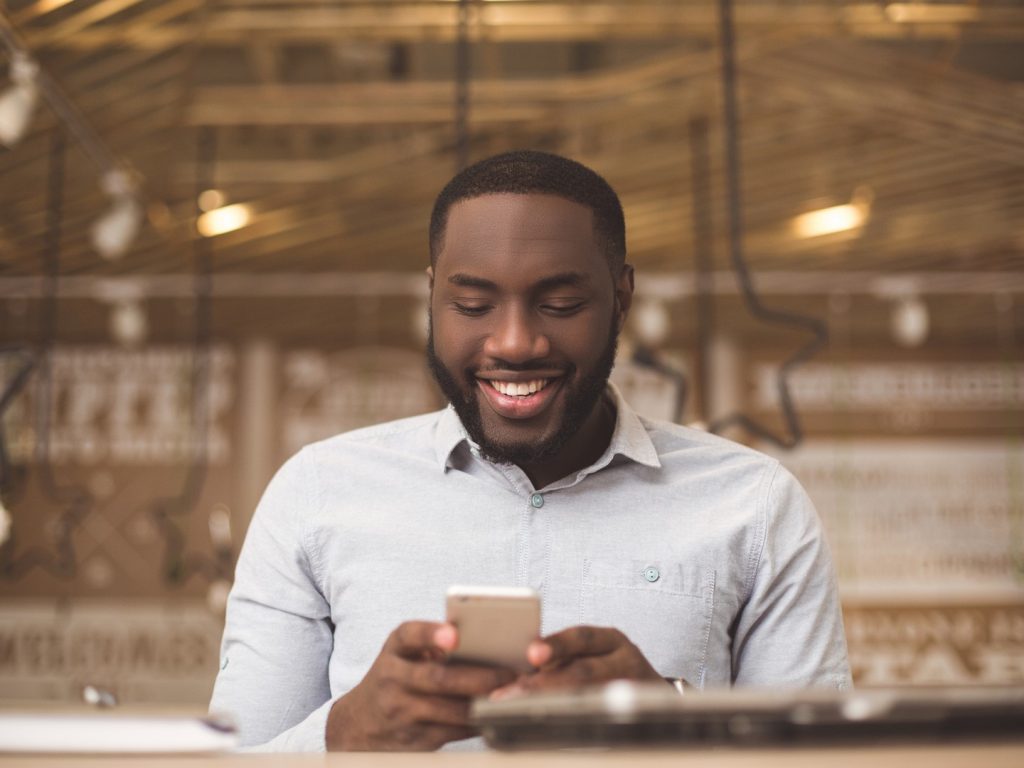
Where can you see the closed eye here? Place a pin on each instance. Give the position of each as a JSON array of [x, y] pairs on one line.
[[470, 310], [562, 310]]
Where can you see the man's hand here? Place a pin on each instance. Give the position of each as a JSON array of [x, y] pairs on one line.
[[581, 656], [410, 699]]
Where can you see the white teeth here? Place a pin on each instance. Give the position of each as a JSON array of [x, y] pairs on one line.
[[519, 388]]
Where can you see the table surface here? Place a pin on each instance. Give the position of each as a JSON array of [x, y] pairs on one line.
[[971, 756]]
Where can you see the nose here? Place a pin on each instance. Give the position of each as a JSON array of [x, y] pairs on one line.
[[515, 338]]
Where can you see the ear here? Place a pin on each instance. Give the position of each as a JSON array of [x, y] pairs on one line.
[[430, 278], [624, 294]]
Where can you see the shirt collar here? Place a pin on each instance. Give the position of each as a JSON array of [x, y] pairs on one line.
[[629, 439]]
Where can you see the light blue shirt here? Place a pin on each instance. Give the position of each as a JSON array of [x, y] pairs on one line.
[[708, 555]]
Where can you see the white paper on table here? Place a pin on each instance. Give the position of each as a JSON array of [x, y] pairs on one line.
[[115, 734]]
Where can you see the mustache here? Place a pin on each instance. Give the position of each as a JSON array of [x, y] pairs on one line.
[[529, 365]]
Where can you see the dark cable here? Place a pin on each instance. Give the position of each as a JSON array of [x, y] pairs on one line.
[[814, 326], [75, 500], [179, 564], [703, 262], [645, 357], [462, 77], [19, 380]]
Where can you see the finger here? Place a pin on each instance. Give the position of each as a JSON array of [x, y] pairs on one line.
[[427, 737], [415, 639], [440, 710], [573, 643], [510, 691], [589, 670], [466, 680]]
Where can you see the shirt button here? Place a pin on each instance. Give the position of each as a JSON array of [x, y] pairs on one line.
[[537, 500], [652, 574]]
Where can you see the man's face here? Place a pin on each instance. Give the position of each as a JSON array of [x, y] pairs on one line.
[[524, 321]]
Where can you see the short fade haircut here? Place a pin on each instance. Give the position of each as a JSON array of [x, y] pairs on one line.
[[528, 172]]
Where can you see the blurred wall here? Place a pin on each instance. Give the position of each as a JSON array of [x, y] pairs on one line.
[[150, 391]]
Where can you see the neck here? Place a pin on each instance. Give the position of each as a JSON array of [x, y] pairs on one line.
[[582, 450]]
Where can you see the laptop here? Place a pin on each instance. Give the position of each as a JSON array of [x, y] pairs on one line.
[[625, 714]]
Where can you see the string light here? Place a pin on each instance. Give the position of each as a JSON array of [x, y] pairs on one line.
[[217, 596], [129, 325], [5, 523], [115, 231], [420, 319], [18, 102], [211, 198], [220, 527], [651, 322], [909, 321]]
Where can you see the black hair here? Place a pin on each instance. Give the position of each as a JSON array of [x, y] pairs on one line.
[[532, 172]]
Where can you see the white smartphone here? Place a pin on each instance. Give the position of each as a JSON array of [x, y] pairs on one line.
[[496, 624]]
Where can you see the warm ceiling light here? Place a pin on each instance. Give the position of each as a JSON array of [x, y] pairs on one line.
[[210, 199], [222, 220], [45, 6], [837, 218], [827, 221], [931, 12]]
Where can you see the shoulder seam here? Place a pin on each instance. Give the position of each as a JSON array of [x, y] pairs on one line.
[[761, 536], [312, 552]]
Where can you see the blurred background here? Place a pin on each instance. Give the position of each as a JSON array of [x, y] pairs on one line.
[[213, 230]]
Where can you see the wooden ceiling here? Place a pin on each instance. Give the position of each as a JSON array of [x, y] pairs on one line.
[[334, 121]]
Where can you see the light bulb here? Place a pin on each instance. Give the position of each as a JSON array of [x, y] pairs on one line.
[[217, 596], [5, 523], [651, 322], [18, 102], [16, 107], [128, 323], [910, 321], [114, 232], [210, 199], [421, 320], [220, 526]]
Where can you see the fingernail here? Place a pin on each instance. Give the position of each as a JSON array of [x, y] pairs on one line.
[[538, 653], [446, 637], [507, 692]]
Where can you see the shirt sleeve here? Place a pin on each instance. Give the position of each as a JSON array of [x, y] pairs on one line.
[[790, 631], [278, 638]]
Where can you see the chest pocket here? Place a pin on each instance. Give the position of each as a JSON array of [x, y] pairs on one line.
[[665, 608]]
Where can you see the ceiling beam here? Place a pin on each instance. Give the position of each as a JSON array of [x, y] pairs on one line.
[[664, 285], [540, 21]]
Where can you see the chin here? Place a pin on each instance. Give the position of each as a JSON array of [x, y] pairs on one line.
[[515, 447]]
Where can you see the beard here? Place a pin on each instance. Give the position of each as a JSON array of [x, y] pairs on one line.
[[580, 399]]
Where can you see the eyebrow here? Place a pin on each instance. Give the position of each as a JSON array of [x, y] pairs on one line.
[[560, 280], [469, 281]]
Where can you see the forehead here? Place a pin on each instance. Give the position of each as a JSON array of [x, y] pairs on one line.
[[532, 234]]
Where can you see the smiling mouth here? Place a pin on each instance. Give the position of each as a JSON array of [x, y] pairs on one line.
[[519, 388], [520, 400]]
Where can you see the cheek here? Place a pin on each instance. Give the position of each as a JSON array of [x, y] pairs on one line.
[[586, 342], [454, 343]]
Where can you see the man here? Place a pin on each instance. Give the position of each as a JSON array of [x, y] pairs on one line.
[[660, 552]]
